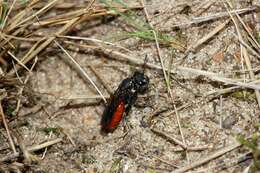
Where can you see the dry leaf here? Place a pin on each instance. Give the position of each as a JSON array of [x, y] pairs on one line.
[[237, 56], [218, 57]]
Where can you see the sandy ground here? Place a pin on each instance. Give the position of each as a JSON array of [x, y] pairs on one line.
[[210, 123]]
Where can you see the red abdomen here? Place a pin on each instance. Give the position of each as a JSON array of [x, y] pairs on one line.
[[117, 116]]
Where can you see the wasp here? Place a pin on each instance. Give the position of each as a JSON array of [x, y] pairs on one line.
[[123, 99]]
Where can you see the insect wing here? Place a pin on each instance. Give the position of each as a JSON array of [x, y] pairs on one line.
[[117, 116], [109, 114], [114, 111]]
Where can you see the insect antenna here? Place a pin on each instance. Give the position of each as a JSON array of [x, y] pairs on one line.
[[145, 63]]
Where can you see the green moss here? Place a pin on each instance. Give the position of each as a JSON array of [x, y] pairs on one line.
[[257, 125], [244, 95], [4, 12], [115, 165], [48, 130], [88, 159], [187, 125], [151, 171], [24, 1], [9, 111], [252, 144]]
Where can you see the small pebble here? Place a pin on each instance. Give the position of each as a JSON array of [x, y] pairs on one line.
[[228, 122]]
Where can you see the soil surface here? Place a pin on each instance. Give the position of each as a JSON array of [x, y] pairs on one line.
[[58, 103]]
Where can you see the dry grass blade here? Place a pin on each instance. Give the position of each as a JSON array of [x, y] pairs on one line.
[[22, 88], [213, 76], [157, 46], [164, 73], [6, 40], [43, 78], [223, 166], [20, 38], [44, 145], [178, 142], [61, 19], [28, 157], [247, 46], [207, 158], [10, 139], [31, 149], [19, 62], [208, 36], [39, 12], [95, 40], [108, 88], [8, 13], [205, 5], [220, 91], [84, 97], [216, 77], [244, 53], [248, 31], [170, 138], [216, 16], [80, 71], [19, 17], [71, 23]]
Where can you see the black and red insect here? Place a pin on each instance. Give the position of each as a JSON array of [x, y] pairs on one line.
[[123, 99]]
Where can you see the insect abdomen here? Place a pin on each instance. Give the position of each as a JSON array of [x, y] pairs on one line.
[[116, 118]]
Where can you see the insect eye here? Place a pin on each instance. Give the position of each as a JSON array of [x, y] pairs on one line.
[[143, 82]]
